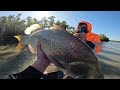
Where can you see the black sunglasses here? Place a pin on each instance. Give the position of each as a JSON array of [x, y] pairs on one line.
[[82, 28]]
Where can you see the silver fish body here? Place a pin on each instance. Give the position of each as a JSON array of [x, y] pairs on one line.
[[69, 54]]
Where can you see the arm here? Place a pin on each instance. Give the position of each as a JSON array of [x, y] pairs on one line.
[[36, 70], [42, 61], [82, 37], [95, 46], [90, 44], [97, 42], [29, 73]]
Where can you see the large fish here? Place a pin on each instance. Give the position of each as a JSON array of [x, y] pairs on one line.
[[69, 54]]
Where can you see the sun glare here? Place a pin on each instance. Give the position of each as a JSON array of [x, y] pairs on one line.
[[40, 14]]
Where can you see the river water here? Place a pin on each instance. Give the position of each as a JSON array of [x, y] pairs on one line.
[[109, 59]]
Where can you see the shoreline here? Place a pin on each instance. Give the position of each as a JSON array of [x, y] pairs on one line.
[[114, 41]]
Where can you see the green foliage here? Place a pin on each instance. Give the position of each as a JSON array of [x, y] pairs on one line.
[[103, 37], [71, 29], [51, 21], [14, 25], [9, 26]]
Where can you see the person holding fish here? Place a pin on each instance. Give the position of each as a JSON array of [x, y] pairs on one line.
[[83, 32]]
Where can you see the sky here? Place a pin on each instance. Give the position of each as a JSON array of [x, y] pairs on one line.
[[103, 22]]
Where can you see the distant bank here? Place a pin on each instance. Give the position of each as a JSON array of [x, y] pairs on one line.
[[114, 40], [104, 38]]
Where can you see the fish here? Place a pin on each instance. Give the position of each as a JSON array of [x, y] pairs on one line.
[[69, 54]]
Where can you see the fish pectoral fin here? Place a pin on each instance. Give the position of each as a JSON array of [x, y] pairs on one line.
[[98, 72], [57, 64], [78, 70]]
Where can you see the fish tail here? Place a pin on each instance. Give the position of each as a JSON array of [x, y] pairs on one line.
[[20, 46]]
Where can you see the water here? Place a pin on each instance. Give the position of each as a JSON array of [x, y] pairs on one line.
[[12, 61], [109, 59]]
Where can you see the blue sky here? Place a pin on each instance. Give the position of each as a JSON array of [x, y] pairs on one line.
[[105, 22]]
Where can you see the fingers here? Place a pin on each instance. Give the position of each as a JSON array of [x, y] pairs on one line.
[[41, 54], [39, 51], [38, 48]]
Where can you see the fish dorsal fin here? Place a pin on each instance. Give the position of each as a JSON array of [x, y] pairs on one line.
[[56, 27], [33, 28]]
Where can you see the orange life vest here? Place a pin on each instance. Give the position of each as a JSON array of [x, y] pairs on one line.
[[94, 38]]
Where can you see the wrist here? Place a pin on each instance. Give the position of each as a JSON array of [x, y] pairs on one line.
[[41, 66]]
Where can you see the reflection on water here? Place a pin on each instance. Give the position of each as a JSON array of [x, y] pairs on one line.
[[109, 59], [106, 58], [12, 61]]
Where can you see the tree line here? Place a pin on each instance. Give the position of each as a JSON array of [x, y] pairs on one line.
[[13, 25], [104, 38]]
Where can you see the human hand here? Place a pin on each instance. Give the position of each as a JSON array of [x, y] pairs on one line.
[[42, 61], [81, 36]]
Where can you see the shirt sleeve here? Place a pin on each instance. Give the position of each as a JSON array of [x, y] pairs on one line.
[[90, 44], [29, 73], [97, 43]]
